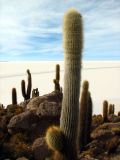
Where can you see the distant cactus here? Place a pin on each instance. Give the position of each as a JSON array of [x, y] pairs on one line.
[[57, 79], [83, 115], [35, 93], [14, 96], [111, 109], [105, 111], [26, 93], [119, 113], [88, 121], [73, 39]]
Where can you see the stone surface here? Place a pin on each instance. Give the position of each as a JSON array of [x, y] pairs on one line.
[[40, 149], [106, 130], [51, 97], [47, 108]]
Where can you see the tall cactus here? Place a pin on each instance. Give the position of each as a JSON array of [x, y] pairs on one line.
[[70, 105], [14, 96], [105, 111], [57, 79], [27, 92], [73, 42], [88, 119], [83, 114]]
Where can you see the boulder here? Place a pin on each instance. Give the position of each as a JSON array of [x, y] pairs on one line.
[[47, 108], [106, 130], [40, 149], [23, 122], [34, 103]]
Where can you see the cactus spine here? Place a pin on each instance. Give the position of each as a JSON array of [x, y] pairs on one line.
[[54, 138], [14, 96], [72, 39], [56, 81], [26, 93], [83, 114], [105, 111]]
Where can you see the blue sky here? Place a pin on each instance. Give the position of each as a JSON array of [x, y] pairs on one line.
[[32, 29]]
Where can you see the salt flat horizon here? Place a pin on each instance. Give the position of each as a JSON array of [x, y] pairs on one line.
[[103, 77]]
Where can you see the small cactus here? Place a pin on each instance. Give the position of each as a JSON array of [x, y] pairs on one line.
[[119, 113], [14, 96], [111, 109], [105, 111], [35, 93], [26, 93], [54, 139], [56, 81]]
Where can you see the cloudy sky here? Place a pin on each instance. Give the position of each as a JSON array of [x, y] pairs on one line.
[[32, 29]]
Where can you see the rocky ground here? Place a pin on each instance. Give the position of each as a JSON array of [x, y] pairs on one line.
[[23, 127]]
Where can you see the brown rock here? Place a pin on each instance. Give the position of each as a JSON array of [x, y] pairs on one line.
[[106, 130], [22, 122], [22, 158], [34, 103], [47, 108], [40, 149]]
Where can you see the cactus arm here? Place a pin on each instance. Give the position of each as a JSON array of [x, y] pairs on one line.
[[23, 89], [29, 87]]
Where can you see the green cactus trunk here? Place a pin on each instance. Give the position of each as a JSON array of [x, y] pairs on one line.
[[14, 96], [26, 93], [70, 106], [105, 111], [83, 114], [88, 119], [56, 81]]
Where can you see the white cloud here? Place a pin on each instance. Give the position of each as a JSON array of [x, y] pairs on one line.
[[22, 20]]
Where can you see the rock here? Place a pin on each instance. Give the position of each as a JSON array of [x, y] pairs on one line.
[[40, 149], [4, 121], [116, 119], [32, 124], [22, 122], [106, 130], [47, 108], [24, 103], [34, 103], [111, 117], [22, 158]]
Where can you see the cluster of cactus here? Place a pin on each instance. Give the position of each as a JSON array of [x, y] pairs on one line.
[[73, 39], [85, 116], [111, 109], [35, 93], [27, 92], [57, 79], [107, 110]]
